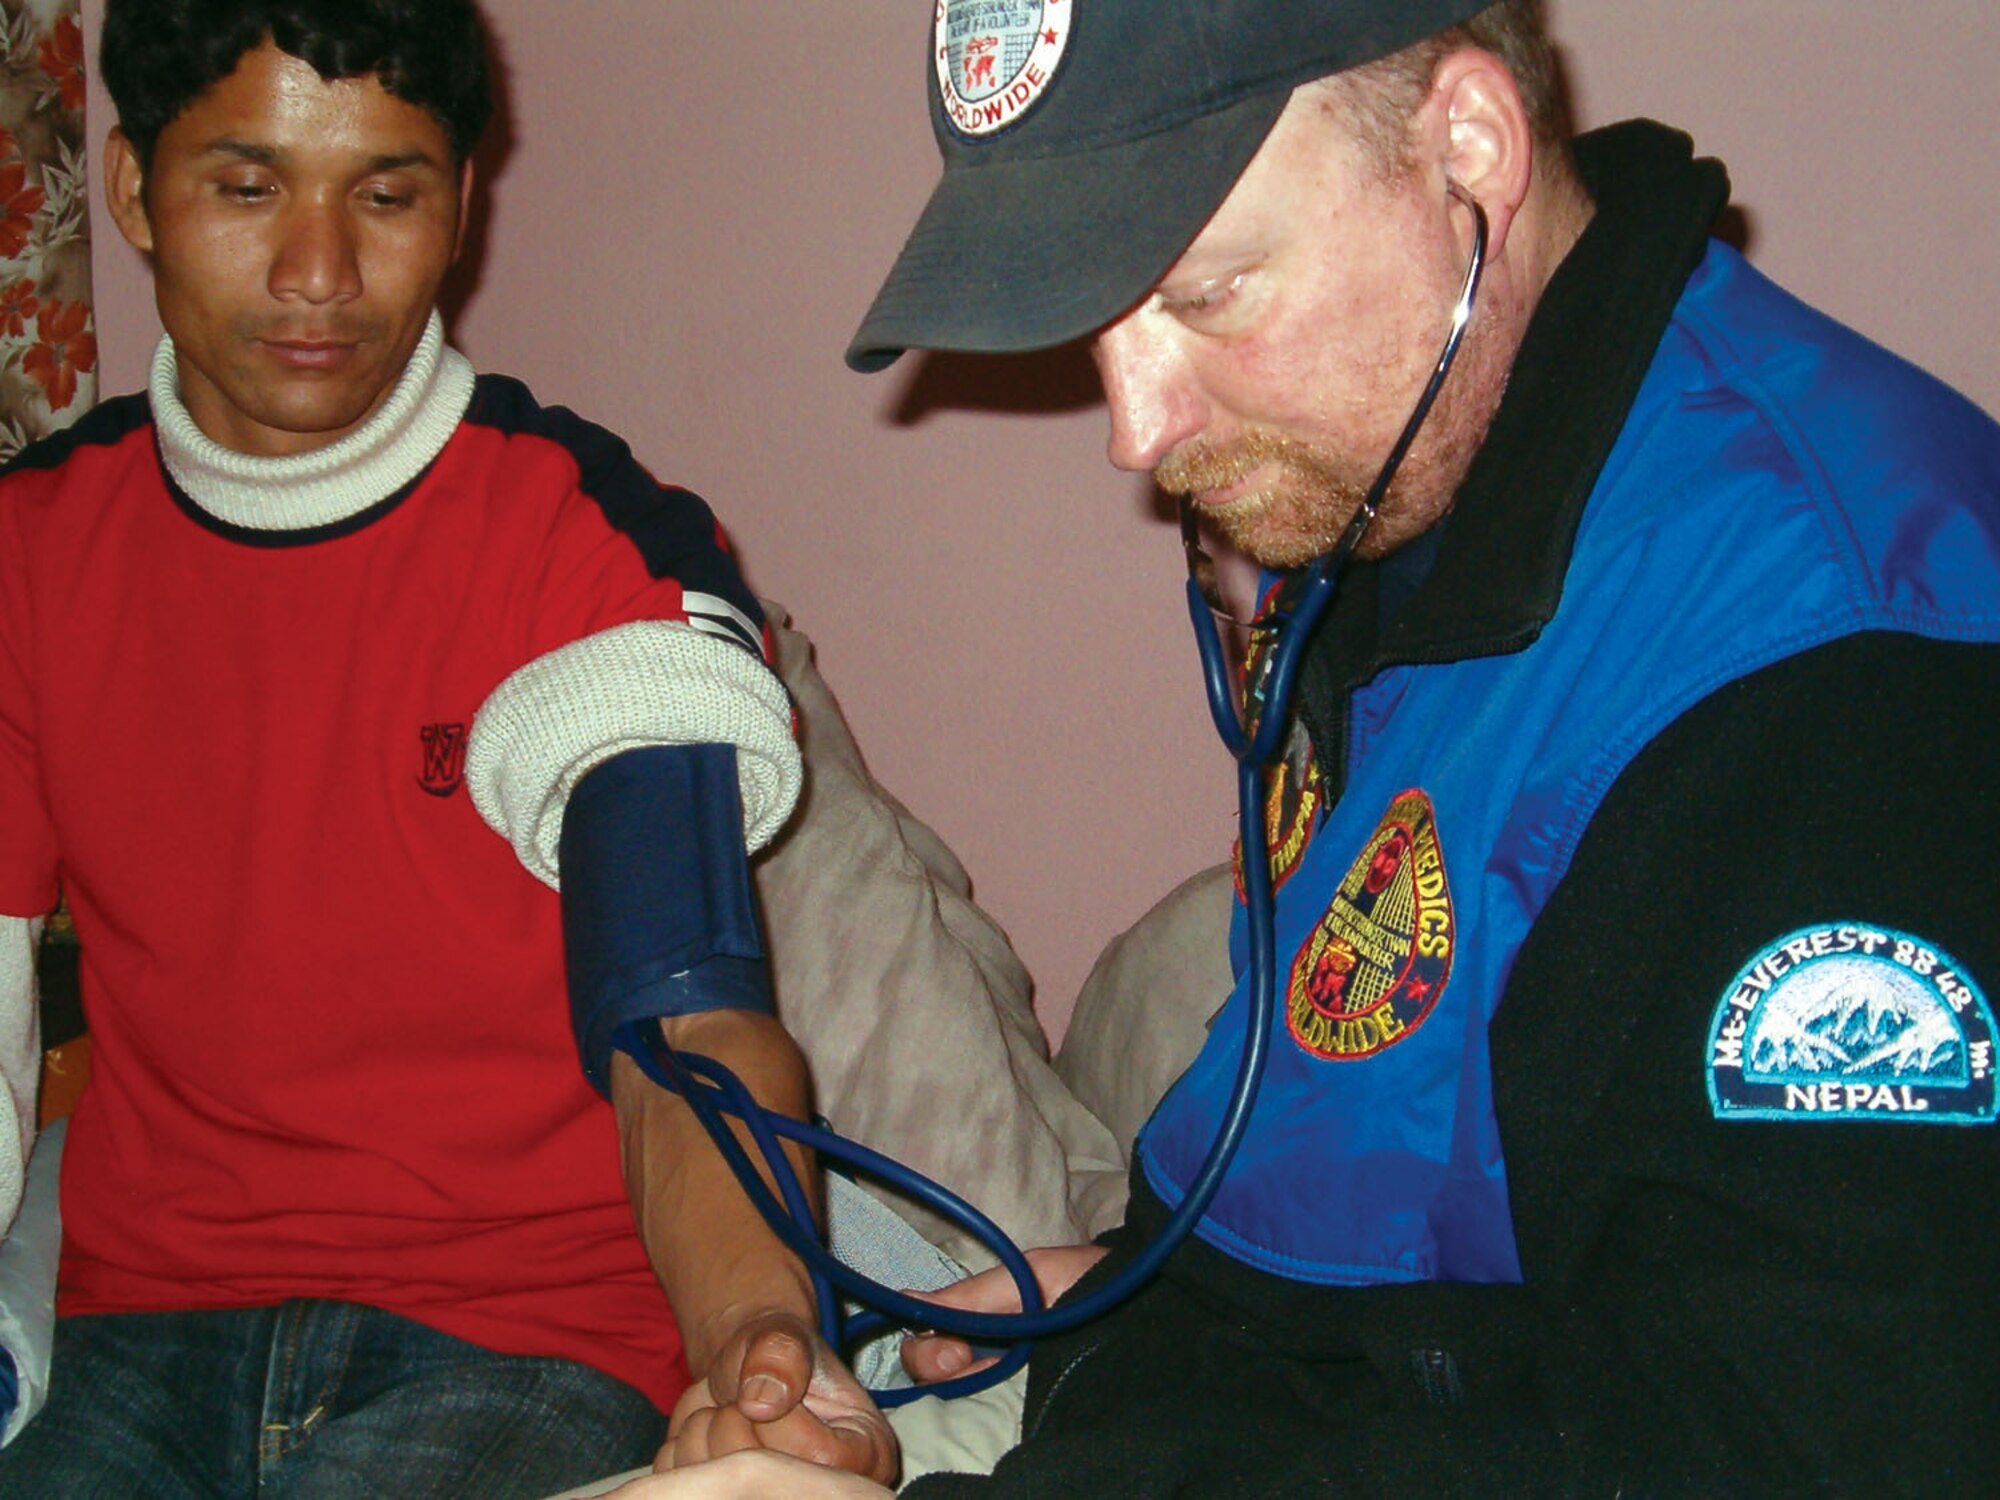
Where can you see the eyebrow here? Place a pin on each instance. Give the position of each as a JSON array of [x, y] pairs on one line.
[[270, 155], [247, 150]]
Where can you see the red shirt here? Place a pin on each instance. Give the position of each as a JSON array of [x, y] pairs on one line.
[[331, 1048]]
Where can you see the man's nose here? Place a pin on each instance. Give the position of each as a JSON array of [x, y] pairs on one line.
[[1154, 400], [316, 260]]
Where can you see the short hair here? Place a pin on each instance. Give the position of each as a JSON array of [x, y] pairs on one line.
[[159, 56], [1380, 97]]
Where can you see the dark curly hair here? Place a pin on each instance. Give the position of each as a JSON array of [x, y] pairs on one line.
[[159, 56]]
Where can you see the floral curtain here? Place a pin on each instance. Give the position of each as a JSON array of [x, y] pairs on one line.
[[48, 349]]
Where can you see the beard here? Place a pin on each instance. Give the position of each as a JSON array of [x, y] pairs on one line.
[[1296, 515], [1314, 490]]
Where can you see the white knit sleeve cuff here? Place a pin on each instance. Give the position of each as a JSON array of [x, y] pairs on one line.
[[652, 682]]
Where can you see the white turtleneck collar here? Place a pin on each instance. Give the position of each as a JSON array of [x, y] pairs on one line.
[[327, 485]]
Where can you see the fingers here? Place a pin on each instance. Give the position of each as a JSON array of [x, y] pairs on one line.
[[760, 1377], [754, 1475], [776, 1387], [716, 1431], [990, 1291], [703, 1431], [865, 1442], [841, 1442], [1056, 1269], [931, 1357]]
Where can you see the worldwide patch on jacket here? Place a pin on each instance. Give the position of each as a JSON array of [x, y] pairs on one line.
[[995, 58], [1378, 960], [1849, 1021]]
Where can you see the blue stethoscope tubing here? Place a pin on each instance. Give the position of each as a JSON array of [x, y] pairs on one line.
[[712, 1091]]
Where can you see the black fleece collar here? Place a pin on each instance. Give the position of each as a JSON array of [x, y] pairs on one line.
[[1498, 574]]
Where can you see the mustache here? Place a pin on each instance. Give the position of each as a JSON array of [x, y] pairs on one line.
[[1203, 465], [335, 329]]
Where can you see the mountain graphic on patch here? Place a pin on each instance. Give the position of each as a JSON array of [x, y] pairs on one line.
[[1852, 1022]]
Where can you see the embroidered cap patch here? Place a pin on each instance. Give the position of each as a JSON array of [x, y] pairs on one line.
[[1852, 1022], [996, 57]]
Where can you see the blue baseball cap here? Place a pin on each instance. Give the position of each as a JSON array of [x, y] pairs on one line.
[[1085, 144]]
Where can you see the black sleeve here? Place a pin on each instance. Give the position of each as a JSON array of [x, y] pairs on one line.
[[1762, 1306]]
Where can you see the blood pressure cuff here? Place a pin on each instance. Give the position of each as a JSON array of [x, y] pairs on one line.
[[656, 907]]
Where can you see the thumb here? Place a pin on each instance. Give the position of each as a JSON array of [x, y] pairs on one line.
[[771, 1376]]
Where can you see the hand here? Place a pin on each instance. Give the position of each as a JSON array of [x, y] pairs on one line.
[[775, 1384], [750, 1475], [931, 1357]]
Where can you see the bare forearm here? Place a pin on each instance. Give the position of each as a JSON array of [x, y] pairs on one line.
[[717, 1260]]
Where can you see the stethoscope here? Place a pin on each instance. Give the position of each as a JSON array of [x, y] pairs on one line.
[[1253, 738]]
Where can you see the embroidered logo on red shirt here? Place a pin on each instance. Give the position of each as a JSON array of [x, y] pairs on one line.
[[444, 758], [1377, 962]]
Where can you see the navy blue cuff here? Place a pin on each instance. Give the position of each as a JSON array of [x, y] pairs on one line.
[[658, 918], [10, 1385]]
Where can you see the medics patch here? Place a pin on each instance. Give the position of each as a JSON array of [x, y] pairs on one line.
[[995, 58], [1377, 962], [1852, 1022]]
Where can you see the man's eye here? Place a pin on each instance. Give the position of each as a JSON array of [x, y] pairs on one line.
[[1207, 300], [387, 198], [245, 192]]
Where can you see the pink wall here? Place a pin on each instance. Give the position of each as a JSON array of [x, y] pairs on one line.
[[697, 202]]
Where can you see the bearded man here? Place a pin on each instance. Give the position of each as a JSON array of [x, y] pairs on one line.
[[1630, 1067]]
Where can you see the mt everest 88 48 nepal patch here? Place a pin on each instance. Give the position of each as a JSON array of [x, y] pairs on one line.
[[996, 57], [1852, 1022], [1377, 962]]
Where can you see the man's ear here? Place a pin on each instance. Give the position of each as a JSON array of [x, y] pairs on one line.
[[1488, 144], [125, 191], [464, 208]]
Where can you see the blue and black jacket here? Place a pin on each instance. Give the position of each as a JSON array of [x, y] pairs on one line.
[[1699, 679]]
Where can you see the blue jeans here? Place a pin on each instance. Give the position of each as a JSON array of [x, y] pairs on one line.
[[315, 1400]]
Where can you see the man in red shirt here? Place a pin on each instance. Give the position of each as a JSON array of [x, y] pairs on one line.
[[284, 643]]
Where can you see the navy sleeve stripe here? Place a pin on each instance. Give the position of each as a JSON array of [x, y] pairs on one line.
[[673, 528], [103, 426]]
